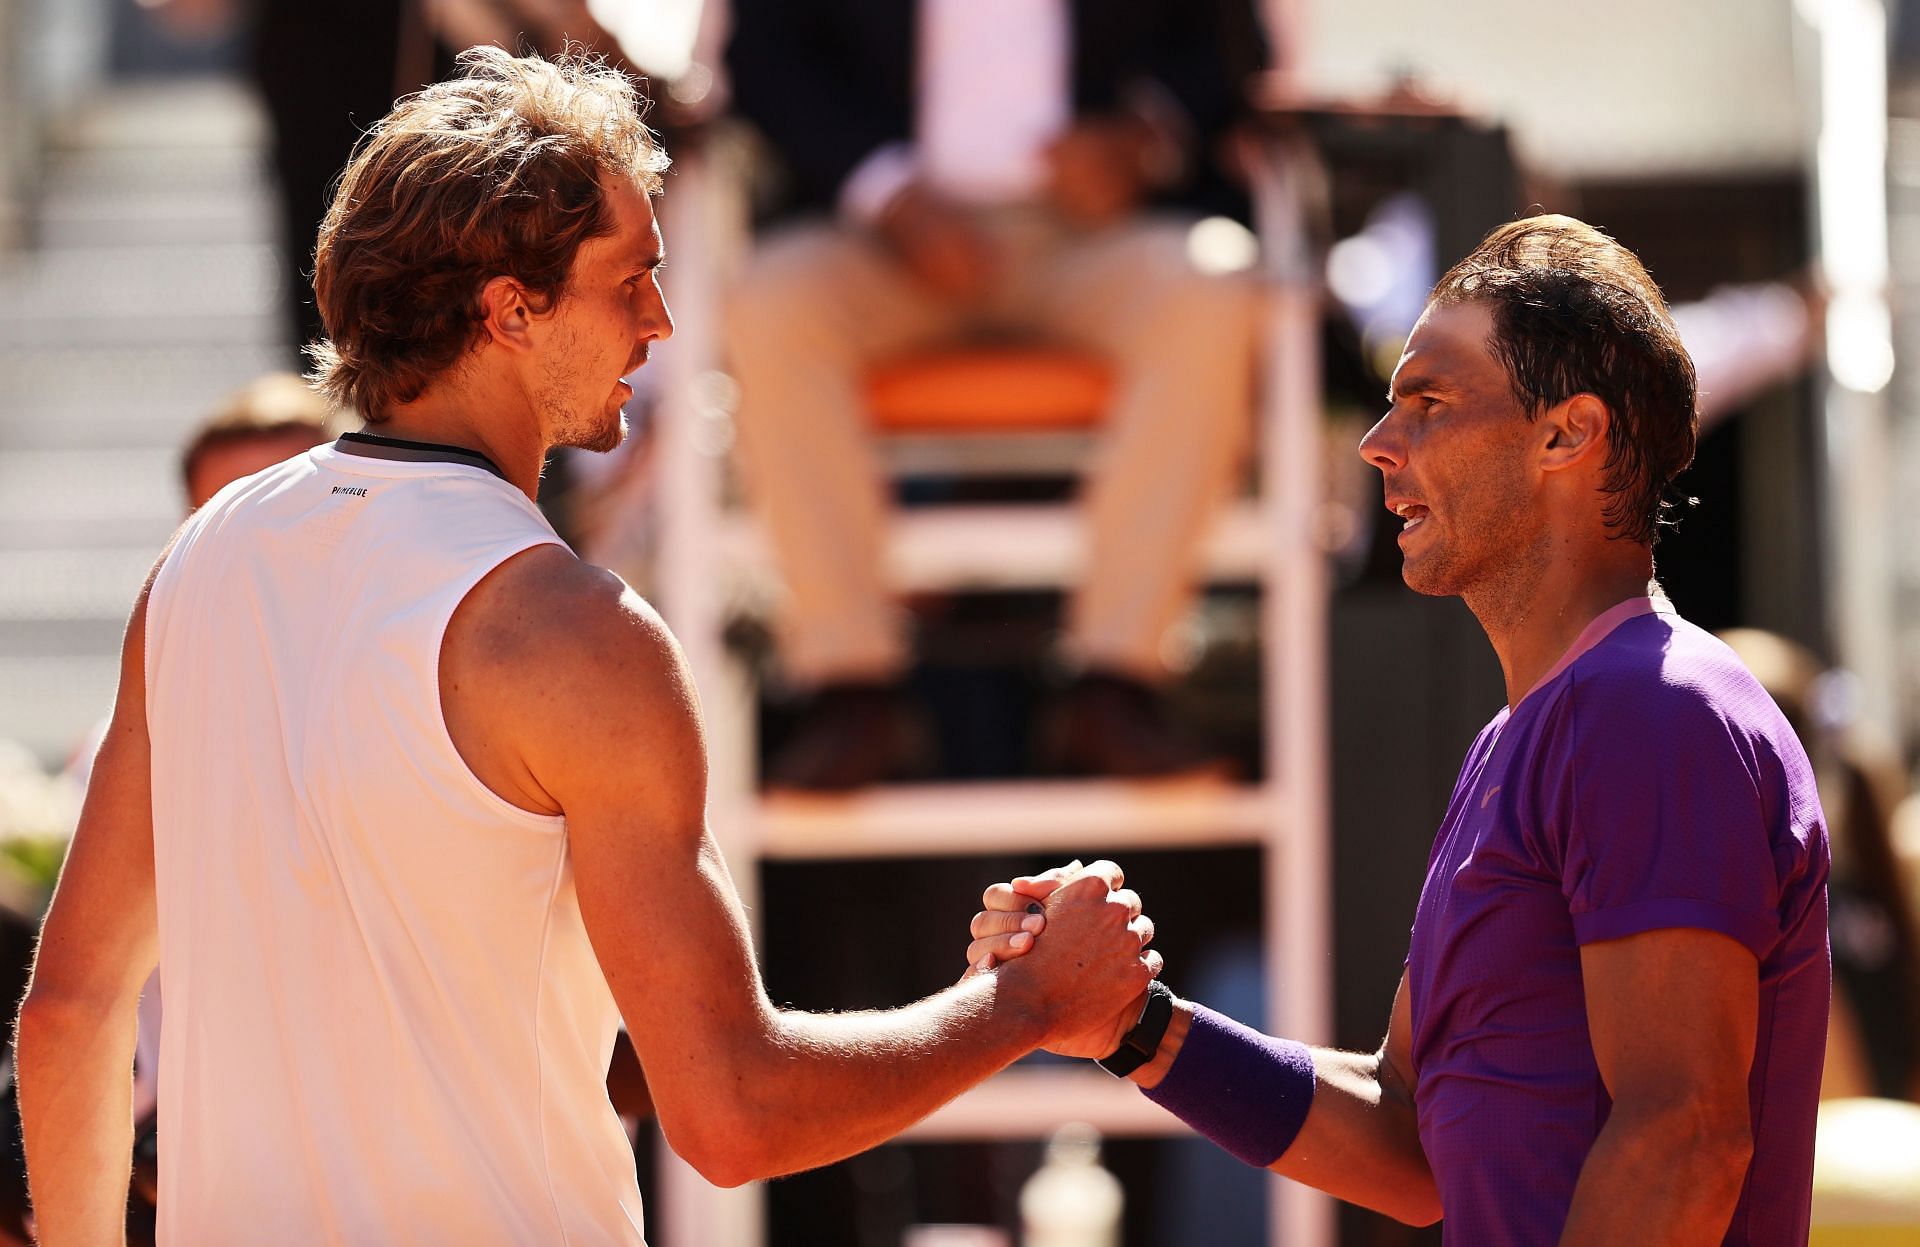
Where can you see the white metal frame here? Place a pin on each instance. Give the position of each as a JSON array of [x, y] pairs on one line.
[[703, 547]]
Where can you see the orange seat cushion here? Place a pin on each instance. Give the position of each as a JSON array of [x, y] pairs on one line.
[[989, 389]]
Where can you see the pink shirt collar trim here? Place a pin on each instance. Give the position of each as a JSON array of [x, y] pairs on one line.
[[1591, 635]]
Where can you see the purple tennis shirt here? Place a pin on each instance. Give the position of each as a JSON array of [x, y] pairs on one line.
[[1646, 782]]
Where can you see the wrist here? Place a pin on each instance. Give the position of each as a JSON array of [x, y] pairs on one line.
[[1023, 1011], [1149, 1075], [1248, 1092]]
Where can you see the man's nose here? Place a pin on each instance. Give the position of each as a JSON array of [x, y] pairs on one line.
[[1382, 446], [659, 326]]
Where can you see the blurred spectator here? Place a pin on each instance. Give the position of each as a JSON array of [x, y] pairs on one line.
[[323, 71], [327, 71], [1873, 1043], [993, 169], [272, 419]]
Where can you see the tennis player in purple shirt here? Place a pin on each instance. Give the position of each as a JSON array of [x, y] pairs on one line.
[[1614, 1010]]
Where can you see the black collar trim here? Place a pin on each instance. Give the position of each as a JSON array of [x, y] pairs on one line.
[[379, 446]]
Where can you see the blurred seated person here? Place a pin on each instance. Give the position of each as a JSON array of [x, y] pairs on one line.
[[990, 169], [1873, 1038]]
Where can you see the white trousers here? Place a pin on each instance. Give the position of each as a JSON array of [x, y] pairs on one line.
[[819, 303]]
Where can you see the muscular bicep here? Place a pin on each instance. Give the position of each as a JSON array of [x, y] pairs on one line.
[[1672, 1015], [100, 939]]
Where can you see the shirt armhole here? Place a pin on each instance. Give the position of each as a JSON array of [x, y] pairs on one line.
[[1754, 930]]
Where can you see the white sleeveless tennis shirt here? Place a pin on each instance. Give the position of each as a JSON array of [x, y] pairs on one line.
[[384, 1023]]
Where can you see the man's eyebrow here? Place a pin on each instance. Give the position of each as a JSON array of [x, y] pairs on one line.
[[1399, 387]]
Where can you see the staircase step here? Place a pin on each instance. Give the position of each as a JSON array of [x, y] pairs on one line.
[[152, 289], [111, 295], [87, 498], [58, 586], [206, 114], [131, 394], [206, 211]]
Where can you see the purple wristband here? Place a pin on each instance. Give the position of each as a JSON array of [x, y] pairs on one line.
[[1246, 1091]]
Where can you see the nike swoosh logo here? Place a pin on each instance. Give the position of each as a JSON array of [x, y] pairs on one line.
[[1490, 793]]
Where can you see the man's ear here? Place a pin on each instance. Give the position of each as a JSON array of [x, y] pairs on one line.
[[1574, 432], [506, 313]]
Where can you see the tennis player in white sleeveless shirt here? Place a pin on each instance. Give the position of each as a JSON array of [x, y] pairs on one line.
[[446, 1040]]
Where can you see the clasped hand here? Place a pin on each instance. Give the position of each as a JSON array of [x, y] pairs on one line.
[[1076, 937]]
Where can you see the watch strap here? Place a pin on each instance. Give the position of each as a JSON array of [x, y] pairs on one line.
[[1139, 1045]]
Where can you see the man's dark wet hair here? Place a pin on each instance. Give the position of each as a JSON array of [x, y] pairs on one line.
[[1574, 312]]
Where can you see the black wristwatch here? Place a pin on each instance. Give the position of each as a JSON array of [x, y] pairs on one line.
[[1138, 1045]]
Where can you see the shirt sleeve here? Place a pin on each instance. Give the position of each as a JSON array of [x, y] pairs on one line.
[[1657, 817]]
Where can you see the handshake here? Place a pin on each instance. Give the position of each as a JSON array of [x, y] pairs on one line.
[[1069, 949], [1069, 946]]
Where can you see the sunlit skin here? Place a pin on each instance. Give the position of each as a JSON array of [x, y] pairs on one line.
[[554, 377], [1506, 512]]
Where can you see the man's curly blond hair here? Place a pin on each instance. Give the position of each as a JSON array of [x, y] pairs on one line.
[[494, 173]]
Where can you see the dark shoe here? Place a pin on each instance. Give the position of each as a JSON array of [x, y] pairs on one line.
[[851, 736], [1110, 725]]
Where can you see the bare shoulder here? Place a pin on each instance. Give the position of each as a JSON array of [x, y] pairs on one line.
[[554, 670]]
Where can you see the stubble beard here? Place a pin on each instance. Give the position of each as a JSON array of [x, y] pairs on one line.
[[1491, 556], [567, 425], [598, 436]]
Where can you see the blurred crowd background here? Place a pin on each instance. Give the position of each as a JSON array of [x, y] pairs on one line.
[[947, 269]]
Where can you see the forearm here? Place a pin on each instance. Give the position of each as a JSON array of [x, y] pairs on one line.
[[826, 1086], [75, 1075], [1359, 1141], [1658, 1178]]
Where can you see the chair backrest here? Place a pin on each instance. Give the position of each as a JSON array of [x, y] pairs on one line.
[[998, 389]]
